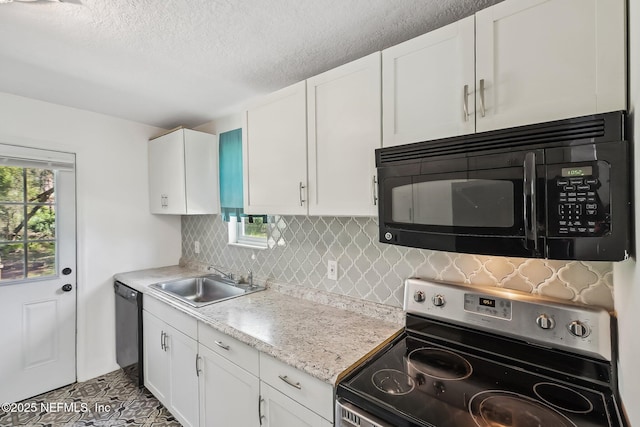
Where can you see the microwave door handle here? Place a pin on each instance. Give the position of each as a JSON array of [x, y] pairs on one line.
[[530, 209]]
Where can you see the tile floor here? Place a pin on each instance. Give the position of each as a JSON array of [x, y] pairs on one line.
[[110, 400]]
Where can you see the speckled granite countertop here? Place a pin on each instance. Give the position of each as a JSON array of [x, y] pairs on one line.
[[311, 334]]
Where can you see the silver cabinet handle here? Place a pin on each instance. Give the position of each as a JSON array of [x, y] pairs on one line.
[[374, 185], [221, 345], [166, 347], [465, 103], [302, 200], [162, 340], [291, 383], [482, 110], [198, 370]]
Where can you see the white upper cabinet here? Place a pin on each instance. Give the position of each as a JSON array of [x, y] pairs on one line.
[[183, 173], [428, 85], [309, 148], [535, 61], [275, 153], [541, 60], [344, 129]]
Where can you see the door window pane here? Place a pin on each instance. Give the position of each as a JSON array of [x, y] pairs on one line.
[[42, 222], [27, 223], [11, 184], [41, 259], [40, 186], [11, 222], [12, 261]]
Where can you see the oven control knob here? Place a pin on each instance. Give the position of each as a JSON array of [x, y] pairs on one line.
[[438, 300], [418, 296], [545, 322], [579, 329], [388, 236]]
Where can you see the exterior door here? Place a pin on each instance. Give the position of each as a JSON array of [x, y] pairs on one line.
[[37, 272]]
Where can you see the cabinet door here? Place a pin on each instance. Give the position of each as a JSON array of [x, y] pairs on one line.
[[201, 172], [428, 85], [183, 351], [156, 359], [166, 174], [275, 153], [280, 411], [229, 395], [344, 113], [542, 60]]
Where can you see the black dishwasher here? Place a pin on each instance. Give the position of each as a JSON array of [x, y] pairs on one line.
[[129, 331]]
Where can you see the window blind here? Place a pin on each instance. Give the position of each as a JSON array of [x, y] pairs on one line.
[[231, 177]]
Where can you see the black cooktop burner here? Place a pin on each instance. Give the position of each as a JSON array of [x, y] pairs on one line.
[[497, 408], [392, 381], [439, 364], [563, 398]]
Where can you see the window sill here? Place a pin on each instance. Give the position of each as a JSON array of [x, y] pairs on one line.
[[245, 245]]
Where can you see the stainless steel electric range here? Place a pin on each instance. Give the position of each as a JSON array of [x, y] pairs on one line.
[[478, 357]]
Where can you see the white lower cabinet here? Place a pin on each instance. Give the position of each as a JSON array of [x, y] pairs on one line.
[[156, 360], [218, 381], [292, 397], [229, 395], [170, 362], [279, 410]]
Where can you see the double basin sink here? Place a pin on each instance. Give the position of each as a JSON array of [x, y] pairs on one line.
[[203, 290]]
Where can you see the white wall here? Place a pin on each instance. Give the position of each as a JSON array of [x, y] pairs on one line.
[[627, 274], [222, 124], [116, 232]]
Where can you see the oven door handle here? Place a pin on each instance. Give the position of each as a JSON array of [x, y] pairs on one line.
[[530, 205]]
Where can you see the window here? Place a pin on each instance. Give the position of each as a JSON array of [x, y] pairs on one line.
[[27, 223], [248, 231]]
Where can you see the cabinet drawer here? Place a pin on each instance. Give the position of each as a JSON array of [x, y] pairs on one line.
[[301, 387], [179, 320], [230, 348]]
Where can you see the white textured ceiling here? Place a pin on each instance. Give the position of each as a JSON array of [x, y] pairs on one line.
[[185, 62]]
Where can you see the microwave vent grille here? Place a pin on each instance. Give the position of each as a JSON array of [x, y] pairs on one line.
[[553, 134]]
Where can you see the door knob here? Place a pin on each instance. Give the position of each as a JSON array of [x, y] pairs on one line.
[[67, 287]]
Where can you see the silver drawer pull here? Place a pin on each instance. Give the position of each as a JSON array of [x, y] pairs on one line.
[[221, 345], [291, 383]]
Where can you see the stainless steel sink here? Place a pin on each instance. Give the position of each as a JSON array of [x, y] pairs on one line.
[[199, 291]]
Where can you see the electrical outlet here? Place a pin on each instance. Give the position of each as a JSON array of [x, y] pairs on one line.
[[332, 270], [196, 247]]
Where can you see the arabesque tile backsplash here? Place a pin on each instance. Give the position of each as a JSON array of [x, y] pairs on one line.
[[299, 248]]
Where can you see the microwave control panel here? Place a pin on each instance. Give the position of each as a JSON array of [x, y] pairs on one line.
[[578, 200]]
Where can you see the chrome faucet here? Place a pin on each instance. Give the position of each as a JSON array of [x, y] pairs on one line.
[[225, 275], [250, 277]]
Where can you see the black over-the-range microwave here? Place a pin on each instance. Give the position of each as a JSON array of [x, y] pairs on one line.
[[558, 190]]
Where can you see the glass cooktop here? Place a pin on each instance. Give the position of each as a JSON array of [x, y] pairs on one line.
[[430, 385]]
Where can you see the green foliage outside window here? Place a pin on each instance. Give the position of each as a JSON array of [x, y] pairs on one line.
[[27, 222], [256, 229]]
